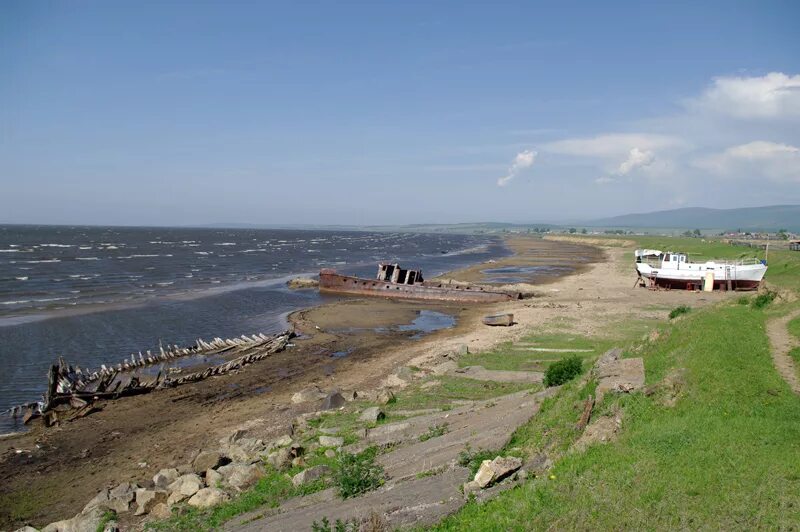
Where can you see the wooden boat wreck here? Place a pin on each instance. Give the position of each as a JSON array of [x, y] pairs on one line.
[[71, 391], [499, 320], [395, 282], [673, 270]]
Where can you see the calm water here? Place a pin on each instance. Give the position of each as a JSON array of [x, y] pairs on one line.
[[95, 294]]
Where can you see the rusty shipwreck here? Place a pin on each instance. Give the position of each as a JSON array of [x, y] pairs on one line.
[[396, 282]]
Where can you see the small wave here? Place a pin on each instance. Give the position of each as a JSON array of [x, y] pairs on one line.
[[85, 247], [20, 302], [87, 258], [225, 244], [165, 283], [202, 252], [41, 261], [56, 245], [9, 251], [21, 278]]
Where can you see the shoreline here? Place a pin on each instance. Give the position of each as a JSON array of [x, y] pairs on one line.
[[125, 435]]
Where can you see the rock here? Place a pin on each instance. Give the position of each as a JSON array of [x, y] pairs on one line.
[[385, 397], [370, 395], [240, 476], [333, 401], [185, 469], [331, 441], [207, 460], [283, 441], [208, 497], [471, 487], [213, 478], [161, 511], [295, 450], [298, 462], [331, 431], [330, 453], [310, 475], [349, 395], [300, 283], [445, 367], [98, 501], [280, 459], [146, 499], [493, 471], [184, 487], [27, 528], [165, 477], [371, 415], [308, 394], [462, 349], [404, 373], [83, 522]]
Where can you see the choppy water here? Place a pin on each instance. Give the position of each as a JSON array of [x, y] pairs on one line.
[[96, 294]]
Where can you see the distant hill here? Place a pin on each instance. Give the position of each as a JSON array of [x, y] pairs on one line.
[[770, 218]]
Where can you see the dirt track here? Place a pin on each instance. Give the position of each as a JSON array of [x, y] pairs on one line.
[[781, 342]]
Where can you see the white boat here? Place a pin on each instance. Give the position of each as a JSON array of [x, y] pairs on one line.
[[673, 270]]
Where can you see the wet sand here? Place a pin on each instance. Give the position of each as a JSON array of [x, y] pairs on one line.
[[350, 344]]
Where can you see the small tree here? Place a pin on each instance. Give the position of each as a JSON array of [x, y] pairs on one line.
[[572, 230]]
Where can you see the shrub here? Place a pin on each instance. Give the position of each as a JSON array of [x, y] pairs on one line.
[[677, 311], [762, 300], [562, 371], [434, 432], [358, 473]]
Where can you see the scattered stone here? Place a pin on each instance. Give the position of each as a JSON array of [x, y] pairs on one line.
[[372, 415], [493, 471], [471, 487], [350, 396], [462, 349], [207, 460], [146, 499], [298, 462], [161, 511], [165, 477], [240, 476], [98, 501], [184, 487], [310, 475], [213, 478], [330, 453], [280, 459], [333, 401], [330, 431], [283, 441], [385, 397], [602, 430], [371, 395], [308, 394], [208, 497], [83, 522], [185, 469], [331, 441], [444, 368]]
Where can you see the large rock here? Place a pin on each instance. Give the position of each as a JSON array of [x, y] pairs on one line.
[[207, 460], [331, 441], [239, 476], [385, 397], [165, 477], [184, 487], [83, 522], [333, 401], [371, 415], [146, 499], [280, 459], [161, 511], [308, 394], [213, 478], [310, 475], [27, 528], [208, 497], [493, 471]]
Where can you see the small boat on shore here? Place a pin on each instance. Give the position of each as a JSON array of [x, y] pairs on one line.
[[499, 320], [395, 282], [673, 270]]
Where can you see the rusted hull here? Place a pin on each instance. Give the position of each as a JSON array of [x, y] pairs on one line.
[[330, 281]]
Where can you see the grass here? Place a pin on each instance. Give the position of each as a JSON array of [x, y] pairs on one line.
[[434, 432], [726, 456], [452, 389], [794, 327], [679, 311], [358, 473], [108, 516]]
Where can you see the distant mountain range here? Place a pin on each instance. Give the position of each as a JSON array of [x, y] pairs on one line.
[[770, 218]]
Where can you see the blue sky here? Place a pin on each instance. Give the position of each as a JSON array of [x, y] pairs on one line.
[[159, 113]]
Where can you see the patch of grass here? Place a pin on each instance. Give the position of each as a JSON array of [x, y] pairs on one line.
[[358, 473], [473, 459], [108, 516], [679, 311], [434, 432], [453, 389], [324, 525], [762, 300], [562, 371], [269, 491], [794, 327], [431, 472], [725, 456]]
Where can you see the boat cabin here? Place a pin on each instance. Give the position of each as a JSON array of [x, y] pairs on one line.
[[665, 260], [393, 273]]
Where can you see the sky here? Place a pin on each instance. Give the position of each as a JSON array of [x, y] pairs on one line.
[[186, 113]]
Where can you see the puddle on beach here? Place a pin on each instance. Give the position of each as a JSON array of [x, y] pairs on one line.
[[426, 322], [522, 274], [182, 363]]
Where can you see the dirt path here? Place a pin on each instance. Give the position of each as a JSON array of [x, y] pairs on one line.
[[781, 342]]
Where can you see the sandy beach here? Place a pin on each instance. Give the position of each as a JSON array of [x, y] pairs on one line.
[[48, 474]]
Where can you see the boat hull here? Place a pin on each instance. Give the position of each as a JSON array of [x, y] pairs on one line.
[[746, 277], [330, 281]]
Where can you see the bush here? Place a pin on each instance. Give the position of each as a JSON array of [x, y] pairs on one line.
[[762, 300], [562, 371], [677, 311], [358, 473]]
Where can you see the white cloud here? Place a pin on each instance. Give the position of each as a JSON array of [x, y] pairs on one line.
[[775, 161], [611, 145], [636, 159], [524, 159], [775, 95]]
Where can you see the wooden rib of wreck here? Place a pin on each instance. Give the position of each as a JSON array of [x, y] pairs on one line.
[[70, 388], [395, 282]]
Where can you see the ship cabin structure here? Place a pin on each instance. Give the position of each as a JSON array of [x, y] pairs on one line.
[[393, 273]]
